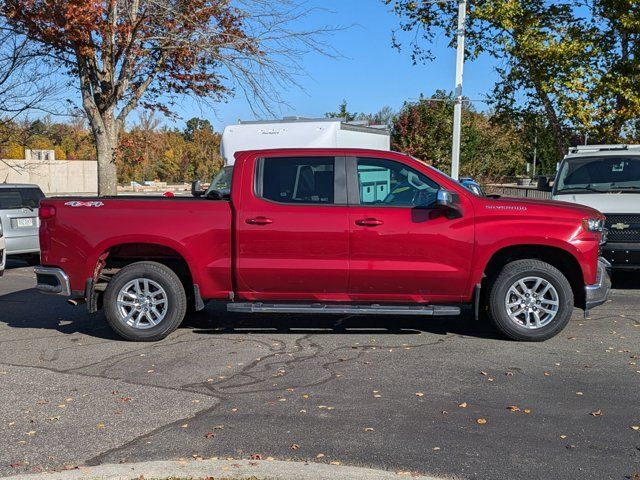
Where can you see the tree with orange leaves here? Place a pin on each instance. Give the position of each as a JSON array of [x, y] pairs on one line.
[[149, 53]]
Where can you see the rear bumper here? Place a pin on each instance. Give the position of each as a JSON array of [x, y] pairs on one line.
[[23, 245], [598, 293], [52, 281], [622, 256]]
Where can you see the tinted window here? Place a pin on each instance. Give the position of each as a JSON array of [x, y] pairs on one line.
[[298, 180], [385, 182], [12, 198]]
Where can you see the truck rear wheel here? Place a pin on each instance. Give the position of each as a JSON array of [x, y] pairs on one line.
[[530, 300], [145, 302]]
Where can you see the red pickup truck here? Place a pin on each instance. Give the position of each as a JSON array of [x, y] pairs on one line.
[[326, 231]]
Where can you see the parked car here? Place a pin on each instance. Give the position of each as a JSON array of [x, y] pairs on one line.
[[470, 184], [3, 254], [607, 178], [19, 215], [302, 234]]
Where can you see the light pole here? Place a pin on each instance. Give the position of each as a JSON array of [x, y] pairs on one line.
[[457, 109]]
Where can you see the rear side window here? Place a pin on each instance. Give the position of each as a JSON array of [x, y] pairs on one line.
[[20, 197], [298, 179]]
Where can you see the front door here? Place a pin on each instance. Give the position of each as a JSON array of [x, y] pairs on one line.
[[403, 248], [293, 230]]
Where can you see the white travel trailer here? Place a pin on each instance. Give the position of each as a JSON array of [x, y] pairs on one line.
[[301, 133], [293, 132]]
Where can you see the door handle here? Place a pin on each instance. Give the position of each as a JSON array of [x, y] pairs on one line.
[[259, 221], [369, 222]]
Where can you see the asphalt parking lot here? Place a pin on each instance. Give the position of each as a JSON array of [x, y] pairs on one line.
[[444, 397]]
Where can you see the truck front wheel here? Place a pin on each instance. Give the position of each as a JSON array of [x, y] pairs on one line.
[[145, 302], [530, 300]]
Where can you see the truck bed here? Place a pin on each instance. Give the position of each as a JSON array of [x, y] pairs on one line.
[[85, 231]]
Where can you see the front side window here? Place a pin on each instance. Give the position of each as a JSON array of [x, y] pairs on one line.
[[298, 179], [388, 183], [610, 174]]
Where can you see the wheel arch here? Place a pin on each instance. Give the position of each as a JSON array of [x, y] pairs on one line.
[[558, 257], [117, 255]]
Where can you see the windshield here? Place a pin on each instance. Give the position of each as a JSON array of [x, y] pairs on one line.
[[221, 181], [20, 197], [611, 174]]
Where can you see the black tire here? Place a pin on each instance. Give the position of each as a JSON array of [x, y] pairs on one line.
[[175, 295], [518, 270]]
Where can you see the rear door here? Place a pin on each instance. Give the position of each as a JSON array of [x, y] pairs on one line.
[[19, 216], [403, 248], [292, 229]]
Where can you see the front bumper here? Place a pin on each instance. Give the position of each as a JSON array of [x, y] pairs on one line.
[[622, 256], [598, 293], [52, 281]]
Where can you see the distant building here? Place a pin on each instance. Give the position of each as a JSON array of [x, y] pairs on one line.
[[53, 176]]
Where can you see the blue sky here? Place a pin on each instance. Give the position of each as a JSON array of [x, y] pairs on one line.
[[370, 74]]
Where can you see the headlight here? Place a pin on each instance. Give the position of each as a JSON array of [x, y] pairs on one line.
[[593, 224]]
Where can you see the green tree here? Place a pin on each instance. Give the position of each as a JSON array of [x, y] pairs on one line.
[[489, 150], [549, 55], [343, 112]]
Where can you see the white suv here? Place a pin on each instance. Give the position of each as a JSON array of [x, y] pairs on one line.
[[607, 178]]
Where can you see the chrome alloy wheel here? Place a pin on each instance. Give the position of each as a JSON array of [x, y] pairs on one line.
[[532, 302], [142, 303]]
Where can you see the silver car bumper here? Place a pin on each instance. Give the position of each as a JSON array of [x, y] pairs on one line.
[[598, 293], [52, 281]]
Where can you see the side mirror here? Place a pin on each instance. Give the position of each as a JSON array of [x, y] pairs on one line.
[[196, 188], [543, 184], [448, 200]]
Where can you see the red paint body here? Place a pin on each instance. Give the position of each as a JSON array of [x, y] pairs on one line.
[[262, 250]]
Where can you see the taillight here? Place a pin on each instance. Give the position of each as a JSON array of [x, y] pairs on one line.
[[46, 212]]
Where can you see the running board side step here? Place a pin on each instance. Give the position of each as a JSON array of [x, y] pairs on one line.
[[322, 308]]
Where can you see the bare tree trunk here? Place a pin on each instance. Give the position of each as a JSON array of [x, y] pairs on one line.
[[106, 144]]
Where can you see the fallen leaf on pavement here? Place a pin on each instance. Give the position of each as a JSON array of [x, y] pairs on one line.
[[368, 429], [513, 408], [295, 446], [596, 413], [635, 427], [419, 394], [209, 435], [184, 426], [320, 455], [481, 421], [256, 456], [463, 405]]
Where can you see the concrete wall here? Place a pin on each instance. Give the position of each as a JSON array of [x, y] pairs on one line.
[[53, 177]]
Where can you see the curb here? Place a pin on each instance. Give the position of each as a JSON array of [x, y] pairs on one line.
[[231, 469]]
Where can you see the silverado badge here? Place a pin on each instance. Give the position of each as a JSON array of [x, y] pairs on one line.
[[620, 226]]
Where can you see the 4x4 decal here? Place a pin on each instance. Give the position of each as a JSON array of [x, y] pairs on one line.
[[77, 203]]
